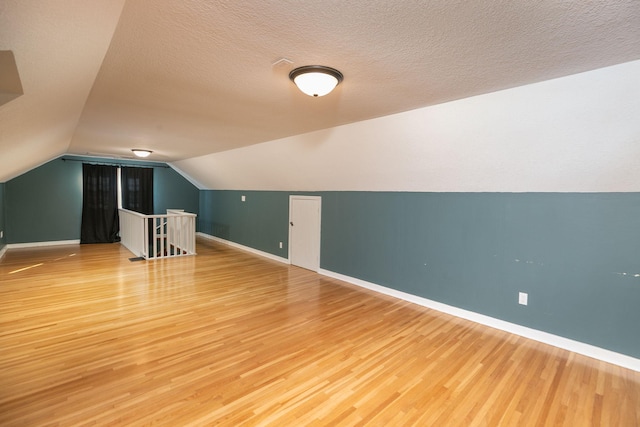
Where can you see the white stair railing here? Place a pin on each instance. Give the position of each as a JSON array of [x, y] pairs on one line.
[[158, 236], [132, 234]]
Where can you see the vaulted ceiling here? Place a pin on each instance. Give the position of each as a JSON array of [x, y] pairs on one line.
[[186, 78]]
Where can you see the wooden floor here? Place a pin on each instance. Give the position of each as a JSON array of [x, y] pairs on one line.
[[88, 337]]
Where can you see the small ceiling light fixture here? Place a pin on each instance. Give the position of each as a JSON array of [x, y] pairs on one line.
[[141, 153], [316, 80]]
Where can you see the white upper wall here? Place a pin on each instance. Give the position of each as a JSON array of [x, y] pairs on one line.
[[573, 134]]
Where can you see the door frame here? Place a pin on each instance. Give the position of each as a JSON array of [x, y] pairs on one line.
[[293, 197]]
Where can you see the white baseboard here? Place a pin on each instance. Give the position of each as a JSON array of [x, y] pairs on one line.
[[544, 337], [40, 244], [244, 248], [3, 250], [534, 334]]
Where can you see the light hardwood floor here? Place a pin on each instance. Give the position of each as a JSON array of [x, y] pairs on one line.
[[88, 337]]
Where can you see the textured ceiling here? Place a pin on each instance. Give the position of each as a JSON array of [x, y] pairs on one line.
[[190, 77], [58, 47]]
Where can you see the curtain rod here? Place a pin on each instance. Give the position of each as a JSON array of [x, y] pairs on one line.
[[116, 163]]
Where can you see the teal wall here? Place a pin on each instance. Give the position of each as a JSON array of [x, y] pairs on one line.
[[3, 227], [45, 204], [575, 254], [260, 222], [172, 191]]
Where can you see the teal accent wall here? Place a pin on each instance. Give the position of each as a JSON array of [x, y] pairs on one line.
[[577, 255], [45, 204], [3, 227], [172, 191], [260, 222]]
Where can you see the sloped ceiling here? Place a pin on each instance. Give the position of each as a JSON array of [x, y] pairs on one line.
[[10, 86], [186, 78], [58, 48]]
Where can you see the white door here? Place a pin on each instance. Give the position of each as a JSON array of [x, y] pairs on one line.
[[304, 231]]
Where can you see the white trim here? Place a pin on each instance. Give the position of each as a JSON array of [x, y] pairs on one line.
[[534, 334], [243, 248], [39, 244], [293, 197], [3, 250], [544, 337]]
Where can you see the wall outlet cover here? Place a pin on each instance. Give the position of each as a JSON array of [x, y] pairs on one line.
[[523, 298]]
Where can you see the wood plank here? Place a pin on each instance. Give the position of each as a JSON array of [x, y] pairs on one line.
[[229, 338]]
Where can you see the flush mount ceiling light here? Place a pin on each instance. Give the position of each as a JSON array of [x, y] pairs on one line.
[[141, 153], [316, 80]]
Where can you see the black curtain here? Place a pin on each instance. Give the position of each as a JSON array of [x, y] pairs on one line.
[[100, 222], [137, 189]]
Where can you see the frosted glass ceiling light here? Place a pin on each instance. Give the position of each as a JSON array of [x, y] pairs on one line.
[[316, 80], [141, 153]]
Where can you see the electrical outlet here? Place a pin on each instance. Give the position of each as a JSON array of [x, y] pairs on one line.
[[243, 198], [280, 245], [523, 298]]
